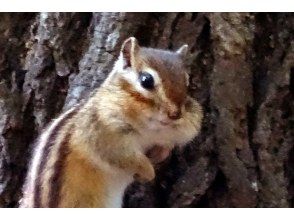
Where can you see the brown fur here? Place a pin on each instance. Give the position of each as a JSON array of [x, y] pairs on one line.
[[171, 70], [83, 183], [56, 179], [133, 104], [105, 141], [52, 140], [127, 87]]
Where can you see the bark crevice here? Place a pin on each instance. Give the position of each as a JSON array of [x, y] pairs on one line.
[[241, 69]]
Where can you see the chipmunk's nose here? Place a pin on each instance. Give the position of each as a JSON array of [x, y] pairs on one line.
[[175, 114]]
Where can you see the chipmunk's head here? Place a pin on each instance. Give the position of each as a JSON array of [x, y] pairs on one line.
[[155, 82]]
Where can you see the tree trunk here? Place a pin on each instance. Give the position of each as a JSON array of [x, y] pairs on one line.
[[242, 72]]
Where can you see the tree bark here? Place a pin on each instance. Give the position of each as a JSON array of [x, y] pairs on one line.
[[242, 72]]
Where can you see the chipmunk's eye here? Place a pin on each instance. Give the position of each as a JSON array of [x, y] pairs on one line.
[[146, 80]]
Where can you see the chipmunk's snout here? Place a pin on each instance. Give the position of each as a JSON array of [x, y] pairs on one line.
[[174, 114]]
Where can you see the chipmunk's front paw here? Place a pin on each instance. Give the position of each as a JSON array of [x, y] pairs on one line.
[[158, 154], [145, 172]]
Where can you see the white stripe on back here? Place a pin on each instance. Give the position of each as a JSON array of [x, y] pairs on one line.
[[38, 152]]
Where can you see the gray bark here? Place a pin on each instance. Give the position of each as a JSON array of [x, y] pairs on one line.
[[242, 72]]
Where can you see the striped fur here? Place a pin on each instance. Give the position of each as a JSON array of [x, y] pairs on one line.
[[32, 189], [91, 153]]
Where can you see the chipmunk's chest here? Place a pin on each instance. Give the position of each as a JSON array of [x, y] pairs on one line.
[[117, 182], [88, 184]]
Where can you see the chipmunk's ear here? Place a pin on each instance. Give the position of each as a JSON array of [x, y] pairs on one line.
[[183, 50], [129, 51]]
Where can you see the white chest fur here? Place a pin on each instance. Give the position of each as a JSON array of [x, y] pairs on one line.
[[117, 183]]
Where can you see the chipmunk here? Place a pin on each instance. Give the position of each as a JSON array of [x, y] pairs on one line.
[[93, 151]]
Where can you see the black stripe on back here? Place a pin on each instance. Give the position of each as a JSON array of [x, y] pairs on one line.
[[45, 157], [56, 178]]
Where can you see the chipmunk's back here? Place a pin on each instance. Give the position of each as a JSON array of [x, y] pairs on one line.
[[38, 173]]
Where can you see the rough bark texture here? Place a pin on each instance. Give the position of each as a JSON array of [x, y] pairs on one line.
[[242, 72]]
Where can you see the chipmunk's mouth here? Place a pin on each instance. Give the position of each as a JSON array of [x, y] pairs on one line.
[[158, 123], [165, 123]]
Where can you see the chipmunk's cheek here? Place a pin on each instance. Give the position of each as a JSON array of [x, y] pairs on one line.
[[158, 122]]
